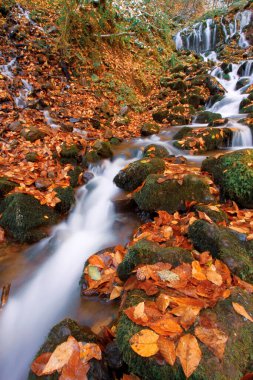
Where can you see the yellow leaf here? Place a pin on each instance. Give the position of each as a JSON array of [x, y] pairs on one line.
[[240, 310], [144, 343], [189, 353]]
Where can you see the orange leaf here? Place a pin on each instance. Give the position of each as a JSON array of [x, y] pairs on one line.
[[240, 310], [197, 271], [167, 349], [144, 343], [213, 276], [40, 362], [243, 284], [213, 338], [189, 354], [89, 351]]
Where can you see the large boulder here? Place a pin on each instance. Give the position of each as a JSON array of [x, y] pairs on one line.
[[155, 150], [223, 244], [99, 151], [59, 334], [23, 216], [148, 252], [6, 186], [207, 117], [238, 352], [160, 193], [135, 173], [233, 172], [67, 199]]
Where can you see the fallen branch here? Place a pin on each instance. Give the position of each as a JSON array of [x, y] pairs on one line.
[[115, 34]]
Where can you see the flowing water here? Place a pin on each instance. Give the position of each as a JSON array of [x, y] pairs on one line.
[[51, 292]]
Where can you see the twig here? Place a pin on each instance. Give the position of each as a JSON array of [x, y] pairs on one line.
[[115, 34], [5, 295]]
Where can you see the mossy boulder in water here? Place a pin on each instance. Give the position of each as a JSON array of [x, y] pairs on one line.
[[207, 117], [135, 173], [182, 133], [23, 215], [155, 150], [223, 244], [169, 194], [149, 129], [148, 252], [233, 172], [239, 347], [67, 197], [6, 186], [100, 150], [59, 334]]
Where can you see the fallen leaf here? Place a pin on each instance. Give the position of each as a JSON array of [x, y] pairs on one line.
[[213, 276], [167, 349], [189, 353], [163, 302], [94, 273], [213, 338], [145, 343], [40, 362], [197, 271], [241, 310], [89, 351]]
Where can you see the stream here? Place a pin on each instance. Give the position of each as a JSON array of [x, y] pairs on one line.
[[51, 291]]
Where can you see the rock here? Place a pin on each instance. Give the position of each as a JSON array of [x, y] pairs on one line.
[[218, 122], [122, 120], [59, 334], [149, 129], [66, 127], [226, 67], [32, 157], [179, 118], [223, 244], [248, 109], [15, 126], [87, 177], [184, 131], [205, 139], [74, 175], [124, 110], [6, 186], [178, 85], [233, 172], [100, 150], [171, 195], [160, 115], [242, 82], [95, 122], [207, 117], [123, 203], [74, 120], [32, 134], [195, 100], [115, 141], [214, 86], [155, 150], [42, 184], [69, 154], [113, 356], [216, 216], [23, 215], [108, 133], [233, 364], [67, 197], [135, 173], [148, 252]]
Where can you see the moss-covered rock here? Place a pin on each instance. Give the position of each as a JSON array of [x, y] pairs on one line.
[[135, 173], [32, 134], [32, 157], [23, 215], [225, 245], [238, 353], [217, 216], [160, 114], [74, 175], [207, 117], [178, 85], [233, 172], [69, 151], [60, 334], [147, 252], [6, 186], [100, 150], [67, 197], [171, 195], [205, 139], [182, 133], [149, 129], [155, 150]]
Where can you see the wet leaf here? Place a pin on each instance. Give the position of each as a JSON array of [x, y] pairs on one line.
[[189, 354], [241, 310], [213, 276], [197, 271], [213, 338], [145, 343], [167, 349], [89, 351], [75, 369], [40, 362], [94, 273]]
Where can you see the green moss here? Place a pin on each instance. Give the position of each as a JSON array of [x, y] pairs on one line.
[[238, 353], [135, 173], [6, 186], [149, 129], [22, 215], [216, 216], [182, 133], [32, 157], [147, 252], [155, 150], [160, 115], [171, 195], [67, 197], [207, 117], [71, 151], [74, 176], [234, 173], [225, 245]]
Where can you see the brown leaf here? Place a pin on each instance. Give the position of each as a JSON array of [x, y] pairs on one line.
[[243, 284], [40, 362], [189, 354], [166, 325], [213, 338], [75, 369], [197, 271], [187, 314], [167, 349], [144, 343], [163, 302], [241, 310], [89, 351]]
